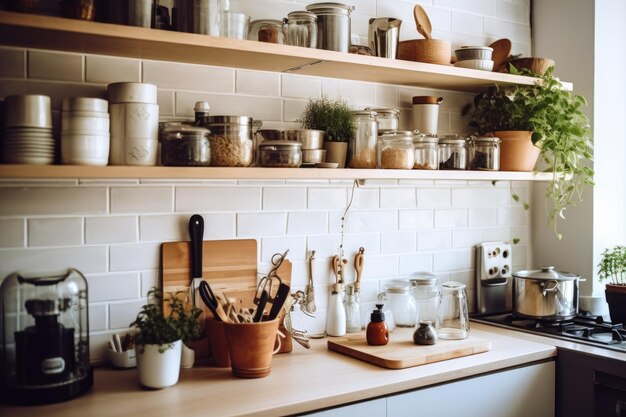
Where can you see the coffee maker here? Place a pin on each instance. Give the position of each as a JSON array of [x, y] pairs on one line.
[[493, 278], [44, 337]]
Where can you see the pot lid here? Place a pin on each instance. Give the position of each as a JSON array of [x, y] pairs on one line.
[[330, 8], [546, 273]]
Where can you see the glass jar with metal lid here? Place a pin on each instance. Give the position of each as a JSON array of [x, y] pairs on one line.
[[362, 147], [452, 152], [185, 145], [426, 294], [232, 140], [426, 152], [484, 153], [388, 119], [267, 30], [397, 150], [400, 301], [301, 28], [280, 154]]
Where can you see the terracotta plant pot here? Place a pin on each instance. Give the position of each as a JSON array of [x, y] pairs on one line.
[[251, 347], [616, 299], [517, 152], [336, 152]]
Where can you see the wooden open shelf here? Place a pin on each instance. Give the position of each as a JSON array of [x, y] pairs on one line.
[[45, 32], [214, 173]]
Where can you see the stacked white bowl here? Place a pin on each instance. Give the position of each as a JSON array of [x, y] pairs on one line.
[[134, 123], [85, 137], [474, 57], [28, 130]]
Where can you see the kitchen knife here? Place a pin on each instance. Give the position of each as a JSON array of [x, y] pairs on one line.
[[196, 234]]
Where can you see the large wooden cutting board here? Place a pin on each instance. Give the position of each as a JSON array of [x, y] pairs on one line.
[[401, 352]]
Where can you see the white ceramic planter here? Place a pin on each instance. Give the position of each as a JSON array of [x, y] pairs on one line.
[[156, 369], [187, 357]]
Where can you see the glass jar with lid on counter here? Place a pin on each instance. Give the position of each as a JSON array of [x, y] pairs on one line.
[[397, 151], [452, 153], [232, 142], [362, 147], [426, 152], [484, 153]]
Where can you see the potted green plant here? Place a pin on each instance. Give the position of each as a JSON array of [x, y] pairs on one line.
[[159, 338], [555, 128], [336, 119], [612, 267]]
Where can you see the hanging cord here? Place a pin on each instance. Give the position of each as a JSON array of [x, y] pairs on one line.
[[355, 185]]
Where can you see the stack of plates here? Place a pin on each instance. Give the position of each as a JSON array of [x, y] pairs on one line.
[[28, 133], [85, 137]]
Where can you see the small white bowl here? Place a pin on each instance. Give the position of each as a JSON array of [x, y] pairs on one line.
[[29, 110], [70, 123], [477, 64], [85, 148], [465, 53], [88, 104]]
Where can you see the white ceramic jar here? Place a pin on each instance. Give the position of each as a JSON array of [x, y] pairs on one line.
[[426, 114], [134, 123], [85, 138]]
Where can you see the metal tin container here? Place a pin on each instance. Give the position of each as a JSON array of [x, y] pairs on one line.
[[301, 29], [309, 138], [545, 294], [333, 25], [484, 153], [186, 146], [232, 142], [452, 153], [280, 154]]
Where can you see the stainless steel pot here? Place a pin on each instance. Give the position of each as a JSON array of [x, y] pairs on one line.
[[333, 25], [545, 294]]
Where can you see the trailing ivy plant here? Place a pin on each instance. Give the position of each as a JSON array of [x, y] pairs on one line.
[[612, 266], [332, 116], [560, 129]]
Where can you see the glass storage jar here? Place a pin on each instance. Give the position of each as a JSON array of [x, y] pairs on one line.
[[388, 119], [484, 153], [426, 295], [452, 152], [267, 30], [232, 143], [362, 147], [280, 154], [301, 29], [400, 301], [397, 150], [452, 313], [186, 146], [426, 152]]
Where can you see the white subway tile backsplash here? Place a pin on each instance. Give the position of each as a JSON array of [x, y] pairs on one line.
[[111, 229], [163, 228], [12, 235], [149, 279], [366, 198], [466, 238], [189, 76], [131, 257], [434, 197], [122, 314], [141, 199], [468, 197], [327, 198], [451, 260], [106, 69], [467, 23], [450, 218], [87, 259], [386, 96], [298, 86], [398, 242], [368, 241], [491, 234], [273, 245], [219, 226], [190, 199], [516, 12], [483, 7], [397, 198], [434, 240], [372, 221], [261, 224], [55, 66], [520, 253], [381, 266], [415, 219], [480, 217], [501, 29], [284, 198], [293, 110], [112, 287], [97, 317], [326, 246], [56, 200], [55, 232], [307, 223], [358, 92], [414, 262], [515, 216], [257, 83], [165, 100], [262, 108], [13, 63]]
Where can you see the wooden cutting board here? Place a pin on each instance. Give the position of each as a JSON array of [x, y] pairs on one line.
[[401, 352]]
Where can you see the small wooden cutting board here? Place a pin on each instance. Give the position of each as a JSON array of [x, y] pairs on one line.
[[401, 352]]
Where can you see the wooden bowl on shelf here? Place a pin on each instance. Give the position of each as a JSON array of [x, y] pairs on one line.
[[432, 51], [536, 65]]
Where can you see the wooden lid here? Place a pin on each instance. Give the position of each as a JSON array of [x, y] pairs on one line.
[[424, 100]]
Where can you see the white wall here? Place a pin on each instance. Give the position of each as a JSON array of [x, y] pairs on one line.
[[111, 229]]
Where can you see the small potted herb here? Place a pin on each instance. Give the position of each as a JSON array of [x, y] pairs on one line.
[[554, 127], [336, 119], [612, 267], [159, 338]]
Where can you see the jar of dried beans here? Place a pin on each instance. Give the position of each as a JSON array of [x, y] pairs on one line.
[[232, 143], [452, 152], [426, 152], [397, 150], [362, 147]]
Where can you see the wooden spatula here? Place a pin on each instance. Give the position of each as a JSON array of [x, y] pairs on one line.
[[422, 22], [501, 51]]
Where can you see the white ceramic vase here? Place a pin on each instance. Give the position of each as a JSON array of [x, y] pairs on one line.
[[159, 369], [187, 357]]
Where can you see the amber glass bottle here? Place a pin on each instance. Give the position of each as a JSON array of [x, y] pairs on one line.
[[377, 331]]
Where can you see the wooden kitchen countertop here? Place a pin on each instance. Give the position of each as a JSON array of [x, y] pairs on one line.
[[301, 381]]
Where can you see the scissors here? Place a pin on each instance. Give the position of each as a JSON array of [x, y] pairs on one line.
[[271, 282], [212, 302]]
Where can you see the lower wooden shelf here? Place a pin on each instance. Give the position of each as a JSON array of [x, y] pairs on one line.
[[216, 173]]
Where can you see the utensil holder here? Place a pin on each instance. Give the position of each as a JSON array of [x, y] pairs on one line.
[[218, 345], [251, 347]]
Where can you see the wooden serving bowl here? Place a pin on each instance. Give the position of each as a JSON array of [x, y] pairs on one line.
[[432, 51], [536, 65]]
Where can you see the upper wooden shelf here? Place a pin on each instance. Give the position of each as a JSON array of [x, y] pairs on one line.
[[212, 173], [45, 32]]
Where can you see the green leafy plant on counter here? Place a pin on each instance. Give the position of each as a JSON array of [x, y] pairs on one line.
[[157, 328], [560, 130], [332, 116], [612, 266]]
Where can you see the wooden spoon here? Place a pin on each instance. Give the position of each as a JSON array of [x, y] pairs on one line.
[[422, 22], [501, 51]]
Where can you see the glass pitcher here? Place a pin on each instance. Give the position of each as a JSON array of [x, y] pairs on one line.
[[452, 313]]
